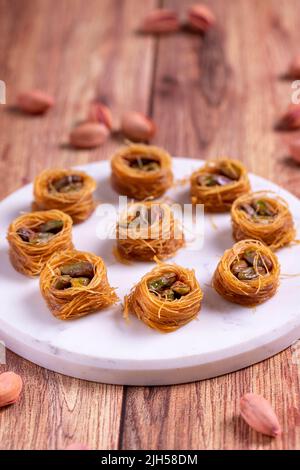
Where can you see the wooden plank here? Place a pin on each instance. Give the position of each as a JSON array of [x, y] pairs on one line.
[[221, 95], [55, 410], [77, 50], [80, 53]]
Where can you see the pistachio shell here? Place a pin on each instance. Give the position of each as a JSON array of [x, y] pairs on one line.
[[89, 135], [294, 149], [10, 388], [34, 101], [200, 18], [259, 414], [294, 68], [291, 119], [161, 20], [99, 112], [137, 127], [77, 446]]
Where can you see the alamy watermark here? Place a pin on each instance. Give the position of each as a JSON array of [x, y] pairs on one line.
[[2, 92], [156, 221]]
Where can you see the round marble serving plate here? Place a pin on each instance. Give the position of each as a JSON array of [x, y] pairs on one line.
[[103, 347]]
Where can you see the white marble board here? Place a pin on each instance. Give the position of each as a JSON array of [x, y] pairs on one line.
[[103, 347]]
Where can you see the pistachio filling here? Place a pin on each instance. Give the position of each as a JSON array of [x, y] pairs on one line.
[[41, 234], [77, 274], [226, 174], [144, 163], [250, 265], [66, 184], [259, 211], [145, 216], [168, 287]]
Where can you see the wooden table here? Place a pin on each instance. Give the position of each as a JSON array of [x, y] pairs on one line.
[[218, 95]]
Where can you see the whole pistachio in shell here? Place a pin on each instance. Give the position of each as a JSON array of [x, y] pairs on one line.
[[159, 21], [200, 18], [11, 386], [294, 68], [137, 127], [34, 101], [259, 414], [89, 135], [290, 120], [99, 112]]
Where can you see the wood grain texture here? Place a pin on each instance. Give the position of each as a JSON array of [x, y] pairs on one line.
[[212, 95], [76, 56]]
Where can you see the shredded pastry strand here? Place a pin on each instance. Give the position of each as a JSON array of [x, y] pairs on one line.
[[163, 315], [246, 292], [78, 204], [159, 237], [278, 232], [28, 258], [136, 183], [219, 198], [76, 302]]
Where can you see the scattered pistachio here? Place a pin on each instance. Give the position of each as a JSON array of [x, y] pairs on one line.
[[161, 20], [34, 102], [294, 68], [137, 127], [100, 113], [291, 119], [294, 149], [259, 414], [79, 269], [200, 18], [67, 184], [88, 135], [77, 446], [11, 386]]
